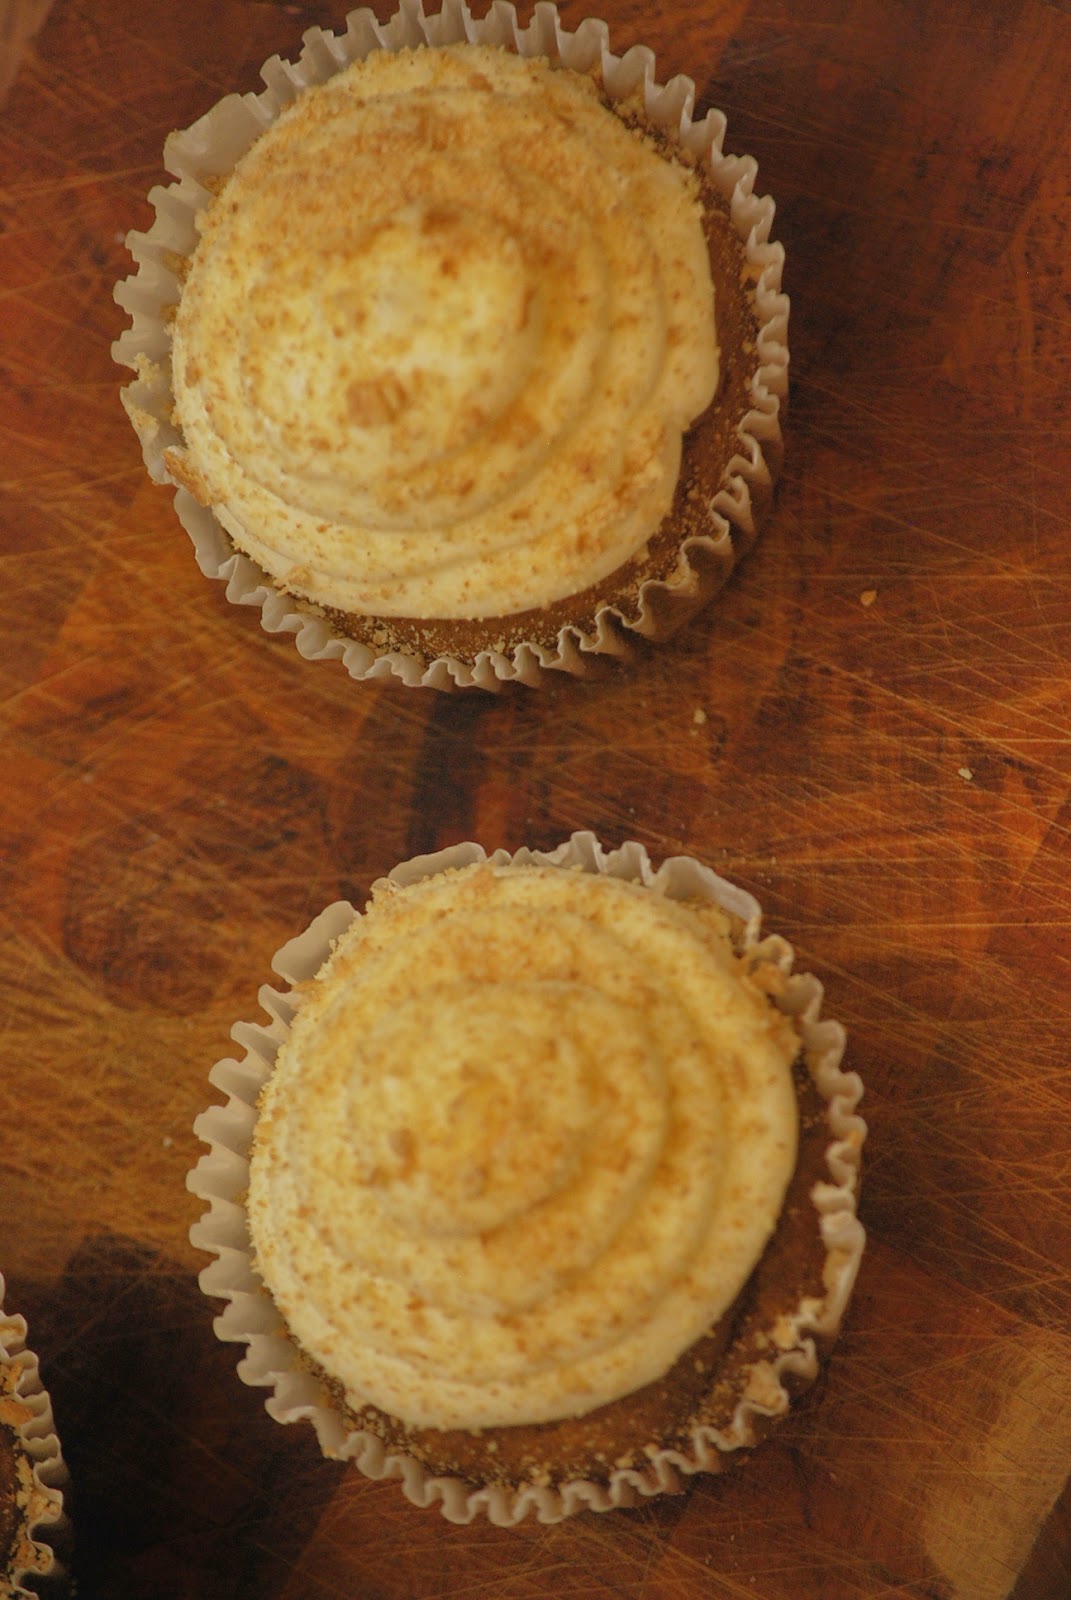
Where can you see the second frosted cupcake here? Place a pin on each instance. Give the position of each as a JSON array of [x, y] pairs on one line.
[[550, 1181]]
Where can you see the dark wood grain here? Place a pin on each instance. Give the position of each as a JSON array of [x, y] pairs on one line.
[[890, 779]]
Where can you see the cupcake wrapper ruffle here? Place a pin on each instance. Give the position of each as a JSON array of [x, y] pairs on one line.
[[26, 1409]]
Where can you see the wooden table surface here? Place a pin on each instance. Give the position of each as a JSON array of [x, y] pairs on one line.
[[890, 779]]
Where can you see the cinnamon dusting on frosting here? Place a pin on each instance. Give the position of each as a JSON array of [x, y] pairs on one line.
[[449, 375], [530, 1133]]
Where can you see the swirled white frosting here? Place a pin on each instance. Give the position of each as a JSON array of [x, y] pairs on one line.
[[529, 1135], [442, 333]]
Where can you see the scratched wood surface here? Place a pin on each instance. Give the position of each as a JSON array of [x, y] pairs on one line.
[[883, 757]]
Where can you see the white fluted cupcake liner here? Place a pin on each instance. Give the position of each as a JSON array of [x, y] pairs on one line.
[[205, 152], [40, 1522], [273, 1361]]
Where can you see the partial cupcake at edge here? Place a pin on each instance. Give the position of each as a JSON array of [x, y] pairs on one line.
[[538, 1189], [464, 346], [32, 1474]]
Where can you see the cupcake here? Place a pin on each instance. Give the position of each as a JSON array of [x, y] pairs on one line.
[[464, 346], [31, 1468], [538, 1192]]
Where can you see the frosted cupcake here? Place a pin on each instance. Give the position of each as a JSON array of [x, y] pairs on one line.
[[31, 1468], [550, 1183], [476, 348]]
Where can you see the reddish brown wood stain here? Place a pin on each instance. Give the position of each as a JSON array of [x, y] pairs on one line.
[[891, 779]]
